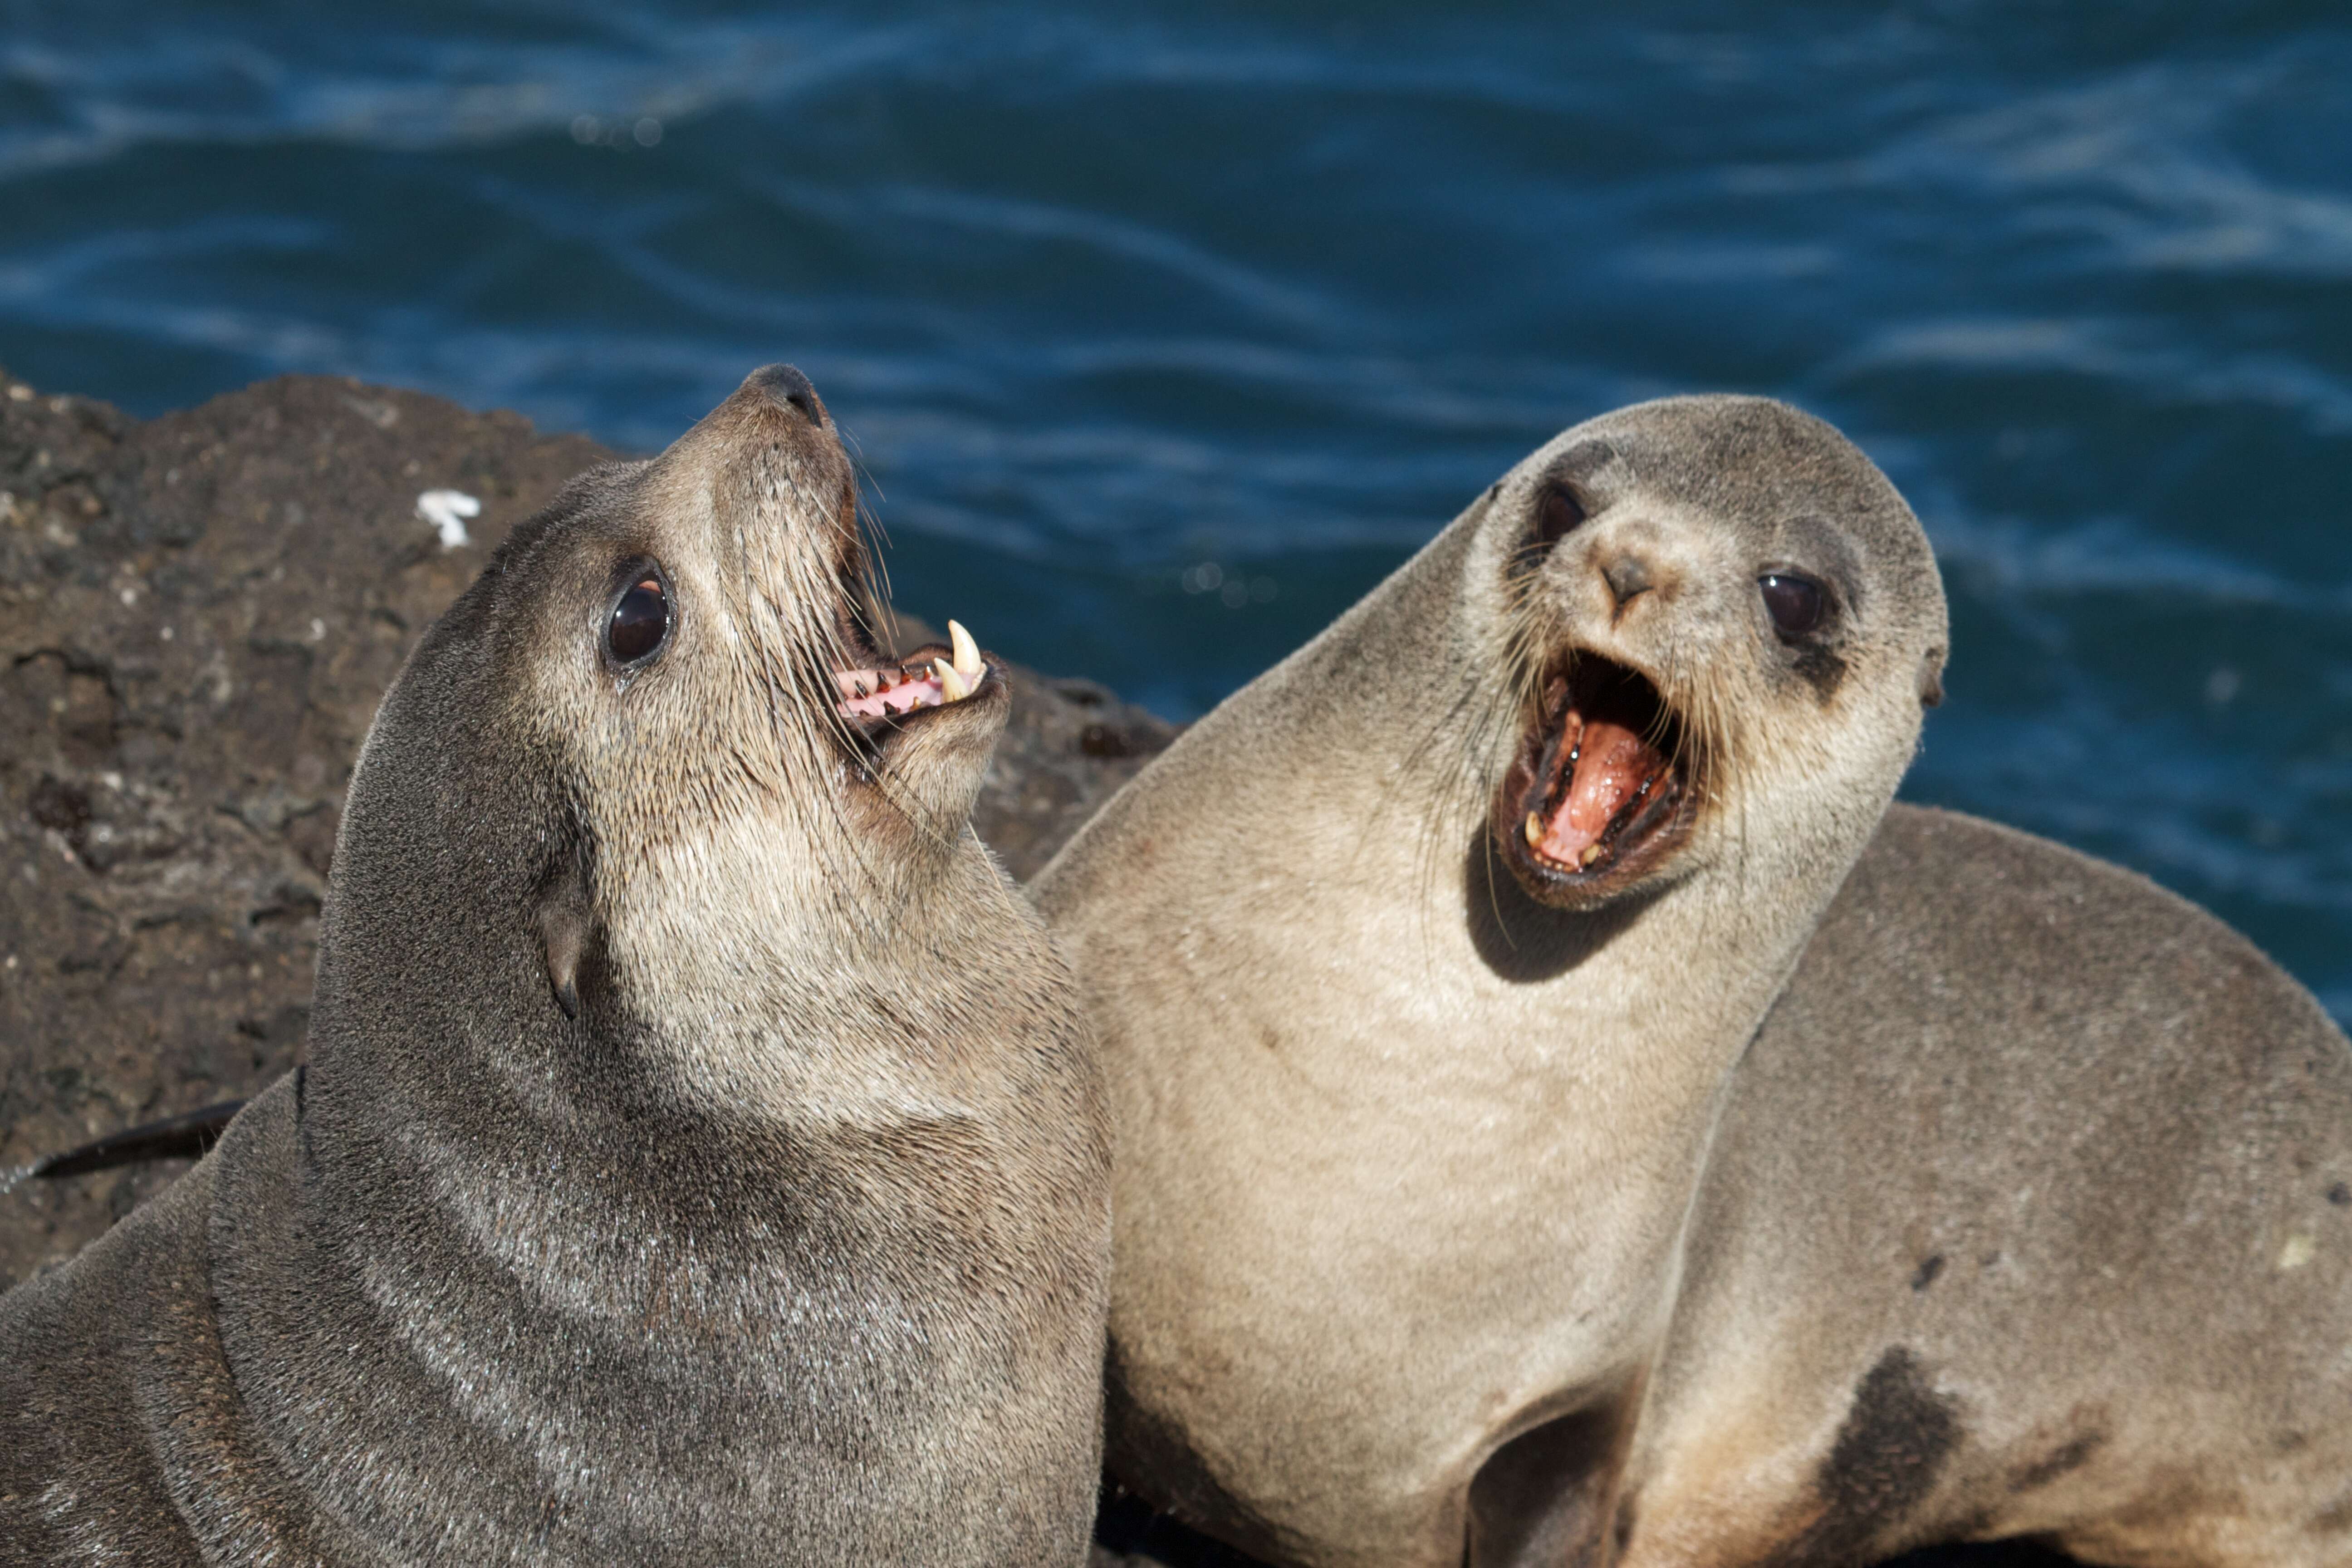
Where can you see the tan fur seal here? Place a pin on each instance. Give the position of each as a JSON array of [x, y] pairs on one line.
[[1405, 1154], [698, 1157], [2031, 1215]]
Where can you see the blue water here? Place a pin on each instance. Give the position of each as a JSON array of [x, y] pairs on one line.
[[1164, 332]]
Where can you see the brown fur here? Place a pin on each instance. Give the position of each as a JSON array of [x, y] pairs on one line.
[[698, 1159]]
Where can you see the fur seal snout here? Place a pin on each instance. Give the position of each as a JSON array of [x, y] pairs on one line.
[[1642, 634], [699, 1155], [1604, 782]]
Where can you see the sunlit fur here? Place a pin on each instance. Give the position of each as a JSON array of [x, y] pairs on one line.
[[790, 1247], [2028, 1213], [1406, 1155]]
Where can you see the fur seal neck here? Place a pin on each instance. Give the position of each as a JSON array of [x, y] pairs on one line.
[[1365, 999]]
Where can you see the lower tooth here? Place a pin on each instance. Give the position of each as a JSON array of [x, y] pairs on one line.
[[1534, 828], [1592, 853]]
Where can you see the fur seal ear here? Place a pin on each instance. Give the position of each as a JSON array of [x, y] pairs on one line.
[[1931, 679], [565, 920]]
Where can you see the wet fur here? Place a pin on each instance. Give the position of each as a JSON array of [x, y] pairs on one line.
[[1405, 1156], [784, 1241]]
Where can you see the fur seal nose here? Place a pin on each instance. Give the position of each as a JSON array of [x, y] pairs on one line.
[[788, 388], [1628, 577]]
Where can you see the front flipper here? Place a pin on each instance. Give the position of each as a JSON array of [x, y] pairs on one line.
[[1549, 1495], [182, 1137]]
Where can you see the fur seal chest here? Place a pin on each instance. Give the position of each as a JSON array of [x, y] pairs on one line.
[[698, 1156], [1418, 1026]]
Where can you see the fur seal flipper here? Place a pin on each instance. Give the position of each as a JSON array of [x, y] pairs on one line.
[[92, 1349], [121, 1434], [182, 1137], [699, 1155]]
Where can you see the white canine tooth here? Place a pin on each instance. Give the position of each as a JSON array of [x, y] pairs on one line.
[[1534, 828], [967, 652], [953, 687]]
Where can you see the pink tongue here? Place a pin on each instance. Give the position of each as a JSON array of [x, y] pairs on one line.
[[1611, 764]]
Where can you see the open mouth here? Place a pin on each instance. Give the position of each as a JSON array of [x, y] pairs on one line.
[[933, 678], [883, 695], [880, 696], [1598, 789]]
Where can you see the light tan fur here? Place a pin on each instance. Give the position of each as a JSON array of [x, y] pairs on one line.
[[1404, 1158], [2031, 1214]]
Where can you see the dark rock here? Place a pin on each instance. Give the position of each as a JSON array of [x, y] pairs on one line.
[[197, 616]]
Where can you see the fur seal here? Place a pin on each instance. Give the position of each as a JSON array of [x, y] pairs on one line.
[[699, 1156], [2030, 1215], [1407, 1144]]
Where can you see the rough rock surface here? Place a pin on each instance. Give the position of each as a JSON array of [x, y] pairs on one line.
[[197, 616]]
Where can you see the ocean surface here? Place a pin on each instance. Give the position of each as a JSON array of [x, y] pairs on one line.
[[1164, 332]]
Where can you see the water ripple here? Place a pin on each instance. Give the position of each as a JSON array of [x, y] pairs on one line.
[[1108, 297]]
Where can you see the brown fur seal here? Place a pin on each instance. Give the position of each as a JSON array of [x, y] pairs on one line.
[[1406, 1153], [699, 1158]]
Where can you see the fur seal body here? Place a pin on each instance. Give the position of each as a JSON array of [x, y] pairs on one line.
[[2031, 1215], [698, 1156], [1421, 965]]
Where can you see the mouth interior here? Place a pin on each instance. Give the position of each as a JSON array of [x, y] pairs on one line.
[[1604, 776], [888, 691], [880, 691]]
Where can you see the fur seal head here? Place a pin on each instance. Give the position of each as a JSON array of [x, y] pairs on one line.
[[694, 633], [1695, 593], [691, 639]]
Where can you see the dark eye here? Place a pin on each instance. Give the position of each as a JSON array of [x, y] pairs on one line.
[[640, 622], [1556, 513], [1794, 603]]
